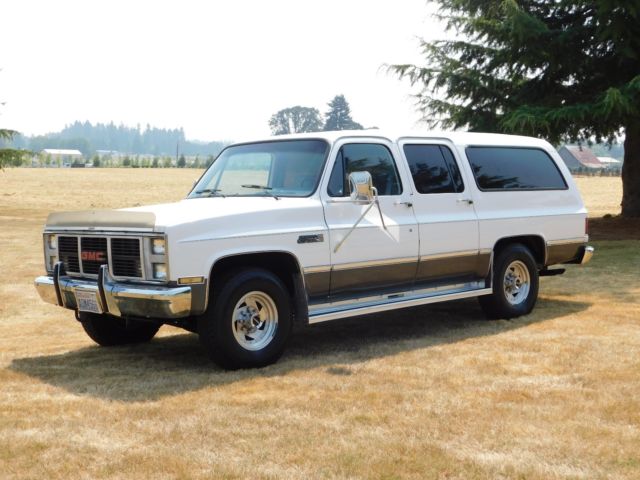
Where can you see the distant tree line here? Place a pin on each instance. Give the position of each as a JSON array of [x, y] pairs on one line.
[[300, 119], [89, 139], [114, 161], [147, 161], [596, 172]]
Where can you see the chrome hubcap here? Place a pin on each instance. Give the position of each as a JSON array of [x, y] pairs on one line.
[[517, 282], [255, 320]]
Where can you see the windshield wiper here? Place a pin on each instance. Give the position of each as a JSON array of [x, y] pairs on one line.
[[261, 187], [210, 191]]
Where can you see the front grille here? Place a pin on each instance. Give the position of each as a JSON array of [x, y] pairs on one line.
[[125, 261], [68, 253], [125, 257], [93, 251]]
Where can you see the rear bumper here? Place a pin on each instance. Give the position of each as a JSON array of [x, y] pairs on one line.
[[584, 254], [118, 299]]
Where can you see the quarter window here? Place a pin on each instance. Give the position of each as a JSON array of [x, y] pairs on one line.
[[433, 168], [359, 157], [512, 168]]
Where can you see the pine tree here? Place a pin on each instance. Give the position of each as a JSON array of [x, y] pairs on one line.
[[558, 69], [339, 115]]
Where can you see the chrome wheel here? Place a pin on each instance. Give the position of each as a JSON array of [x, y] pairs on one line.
[[255, 320], [517, 282]]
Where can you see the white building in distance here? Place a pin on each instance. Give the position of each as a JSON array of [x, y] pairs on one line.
[[62, 153], [66, 156]]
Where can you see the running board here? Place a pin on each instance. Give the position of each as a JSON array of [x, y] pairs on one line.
[[329, 314]]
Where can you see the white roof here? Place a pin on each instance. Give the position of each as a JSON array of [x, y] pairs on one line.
[[608, 160], [61, 151], [458, 138]]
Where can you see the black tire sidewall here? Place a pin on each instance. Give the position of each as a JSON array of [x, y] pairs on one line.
[[217, 329], [107, 330]]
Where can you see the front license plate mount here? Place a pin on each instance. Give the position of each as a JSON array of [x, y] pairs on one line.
[[87, 301]]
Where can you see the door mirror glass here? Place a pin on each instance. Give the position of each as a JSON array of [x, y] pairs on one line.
[[361, 185]]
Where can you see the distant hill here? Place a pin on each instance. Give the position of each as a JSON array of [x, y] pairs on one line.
[[89, 138]]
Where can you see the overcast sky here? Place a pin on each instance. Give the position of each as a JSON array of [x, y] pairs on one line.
[[217, 69]]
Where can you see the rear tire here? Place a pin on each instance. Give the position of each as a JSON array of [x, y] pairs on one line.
[[249, 320], [515, 284], [108, 331]]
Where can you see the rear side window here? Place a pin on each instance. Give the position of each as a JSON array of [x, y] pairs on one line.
[[513, 168], [433, 168], [358, 157]]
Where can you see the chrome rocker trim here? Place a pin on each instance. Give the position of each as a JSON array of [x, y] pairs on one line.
[[117, 299], [392, 302]]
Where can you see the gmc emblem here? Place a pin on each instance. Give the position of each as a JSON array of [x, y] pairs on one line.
[[94, 256]]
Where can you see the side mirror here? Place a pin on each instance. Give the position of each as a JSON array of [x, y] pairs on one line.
[[362, 189]]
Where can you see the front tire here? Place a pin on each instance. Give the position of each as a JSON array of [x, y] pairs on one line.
[[248, 321], [515, 284], [108, 331]]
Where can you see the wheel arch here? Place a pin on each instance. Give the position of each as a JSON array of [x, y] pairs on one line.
[[285, 265], [535, 243]]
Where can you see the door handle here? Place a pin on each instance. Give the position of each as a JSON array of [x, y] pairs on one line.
[[468, 201], [408, 204]]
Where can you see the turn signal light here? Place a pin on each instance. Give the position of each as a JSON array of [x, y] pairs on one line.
[[190, 280], [159, 271]]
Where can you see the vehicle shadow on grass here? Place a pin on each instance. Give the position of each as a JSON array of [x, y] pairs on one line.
[[176, 364]]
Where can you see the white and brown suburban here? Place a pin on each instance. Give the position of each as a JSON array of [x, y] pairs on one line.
[[316, 227]]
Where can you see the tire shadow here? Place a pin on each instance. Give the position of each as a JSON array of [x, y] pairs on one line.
[[176, 364]]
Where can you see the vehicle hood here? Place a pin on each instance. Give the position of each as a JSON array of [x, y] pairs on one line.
[[196, 209], [200, 219], [229, 214]]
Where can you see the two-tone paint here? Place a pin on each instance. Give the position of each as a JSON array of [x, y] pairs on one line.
[[425, 248]]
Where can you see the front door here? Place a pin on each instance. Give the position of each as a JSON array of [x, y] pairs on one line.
[[381, 254]]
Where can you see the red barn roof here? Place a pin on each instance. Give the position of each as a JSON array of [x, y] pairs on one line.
[[584, 156]]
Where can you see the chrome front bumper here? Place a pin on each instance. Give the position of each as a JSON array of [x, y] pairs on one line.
[[118, 299]]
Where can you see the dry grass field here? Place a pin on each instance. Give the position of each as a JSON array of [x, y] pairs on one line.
[[430, 392]]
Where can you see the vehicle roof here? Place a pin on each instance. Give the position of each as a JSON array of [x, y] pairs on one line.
[[458, 138]]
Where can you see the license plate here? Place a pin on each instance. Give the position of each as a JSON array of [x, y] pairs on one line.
[[87, 301]]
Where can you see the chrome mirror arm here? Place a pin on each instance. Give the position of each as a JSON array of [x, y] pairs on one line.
[[377, 202], [374, 202], [341, 242]]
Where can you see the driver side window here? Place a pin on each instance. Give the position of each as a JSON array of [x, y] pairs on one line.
[[359, 157]]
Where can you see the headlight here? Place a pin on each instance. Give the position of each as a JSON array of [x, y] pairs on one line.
[[52, 242], [160, 271], [52, 262], [158, 246]]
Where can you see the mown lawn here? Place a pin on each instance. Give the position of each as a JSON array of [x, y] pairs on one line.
[[429, 392]]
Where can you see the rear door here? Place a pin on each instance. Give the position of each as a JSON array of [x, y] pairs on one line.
[[444, 207]]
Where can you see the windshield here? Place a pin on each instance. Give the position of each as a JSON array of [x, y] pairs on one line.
[[289, 168]]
